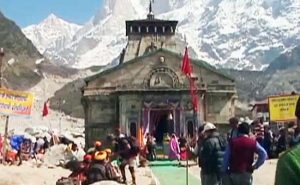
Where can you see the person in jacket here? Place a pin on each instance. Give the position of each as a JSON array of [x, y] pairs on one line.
[[239, 157], [268, 140], [233, 132], [150, 147], [281, 143], [211, 155]]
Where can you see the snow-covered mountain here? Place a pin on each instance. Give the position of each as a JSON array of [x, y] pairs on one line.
[[52, 33], [246, 34]]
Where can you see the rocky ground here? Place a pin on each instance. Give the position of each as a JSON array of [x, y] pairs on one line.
[[263, 176], [28, 174]]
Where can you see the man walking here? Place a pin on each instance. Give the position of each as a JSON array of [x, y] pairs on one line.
[[211, 156], [239, 158], [128, 151]]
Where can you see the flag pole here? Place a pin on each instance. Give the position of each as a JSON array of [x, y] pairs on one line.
[[187, 166], [6, 116]]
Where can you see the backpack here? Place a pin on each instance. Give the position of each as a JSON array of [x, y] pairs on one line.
[[124, 151], [113, 172], [134, 146], [97, 172]]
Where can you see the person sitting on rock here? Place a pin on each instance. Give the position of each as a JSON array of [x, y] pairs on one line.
[[97, 148], [98, 171], [81, 171]]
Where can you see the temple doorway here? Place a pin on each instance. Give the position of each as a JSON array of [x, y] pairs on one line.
[[161, 124]]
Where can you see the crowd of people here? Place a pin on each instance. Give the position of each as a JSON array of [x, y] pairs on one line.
[[230, 158], [102, 164], [23, 147], [224, 159]]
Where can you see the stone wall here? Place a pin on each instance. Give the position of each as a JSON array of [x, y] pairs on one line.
[[101, 117], [220, 107]]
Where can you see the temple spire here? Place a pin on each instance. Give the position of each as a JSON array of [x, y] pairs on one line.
[[150, 14]]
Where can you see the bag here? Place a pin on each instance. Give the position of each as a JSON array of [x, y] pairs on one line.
[[97, 172], [113, 172], [134, 147]]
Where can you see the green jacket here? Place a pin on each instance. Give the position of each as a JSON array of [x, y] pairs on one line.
[[288, 168]]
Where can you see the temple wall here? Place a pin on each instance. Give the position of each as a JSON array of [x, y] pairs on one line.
[[101, 119], [220, 107]]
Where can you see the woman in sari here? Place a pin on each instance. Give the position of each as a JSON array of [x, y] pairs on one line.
[[174, 153]]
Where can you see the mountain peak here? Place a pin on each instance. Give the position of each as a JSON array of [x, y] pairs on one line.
[[52, 32], [241, 34], [54, 19], [52, 16]]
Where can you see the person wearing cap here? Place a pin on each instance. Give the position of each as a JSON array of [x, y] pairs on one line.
[[288, 166], [211, 155], [81, 171], [97, 171], [239, 157], [97, 147]]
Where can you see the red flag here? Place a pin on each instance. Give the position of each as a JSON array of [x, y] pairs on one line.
[[45, 109], [186, 66]]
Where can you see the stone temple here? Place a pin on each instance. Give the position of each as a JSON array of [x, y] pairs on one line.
[[147, 91]]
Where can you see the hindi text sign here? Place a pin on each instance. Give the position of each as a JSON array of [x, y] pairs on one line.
[[15, 103], [282, 108]]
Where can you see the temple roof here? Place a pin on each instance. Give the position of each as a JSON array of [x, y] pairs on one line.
[[199, 63]]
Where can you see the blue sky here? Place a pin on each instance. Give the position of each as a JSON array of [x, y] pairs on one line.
[[26, 12]]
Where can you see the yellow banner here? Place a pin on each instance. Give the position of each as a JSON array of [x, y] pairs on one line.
[[282, 108], [15, 102]]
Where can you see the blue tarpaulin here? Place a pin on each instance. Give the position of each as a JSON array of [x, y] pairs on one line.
[[16, 141]]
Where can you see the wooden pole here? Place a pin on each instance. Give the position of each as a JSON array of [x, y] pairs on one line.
[[6, 117], [187, 169], [1, 67], [5, 138]]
